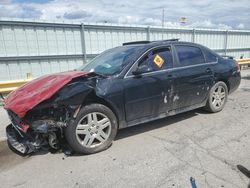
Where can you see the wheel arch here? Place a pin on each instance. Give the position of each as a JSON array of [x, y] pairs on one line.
[[93, 98], [226, 82]]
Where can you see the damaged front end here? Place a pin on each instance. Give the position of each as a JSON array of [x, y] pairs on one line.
[[43, 125], [41, 128]]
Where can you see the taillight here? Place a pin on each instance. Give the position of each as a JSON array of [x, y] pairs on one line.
[[238, 67]]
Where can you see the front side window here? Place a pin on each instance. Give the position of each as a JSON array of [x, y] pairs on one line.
[[158, 59], [189, 55]]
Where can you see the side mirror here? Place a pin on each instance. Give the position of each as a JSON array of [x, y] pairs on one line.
[[141, 69]]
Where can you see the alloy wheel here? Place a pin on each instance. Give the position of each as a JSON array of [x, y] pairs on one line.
[[93, 129], [218, 97]]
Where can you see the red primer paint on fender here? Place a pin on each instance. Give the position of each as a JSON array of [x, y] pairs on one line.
[[31, 94]]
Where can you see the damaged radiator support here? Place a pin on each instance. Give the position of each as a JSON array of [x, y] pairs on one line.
[[26, 138]]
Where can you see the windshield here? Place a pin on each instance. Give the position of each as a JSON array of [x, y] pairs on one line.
[[112, 61]]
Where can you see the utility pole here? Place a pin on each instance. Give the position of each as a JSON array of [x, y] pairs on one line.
[[163, 17], [163, 21]]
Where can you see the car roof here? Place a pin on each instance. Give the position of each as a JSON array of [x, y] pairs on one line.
[[150, 44]]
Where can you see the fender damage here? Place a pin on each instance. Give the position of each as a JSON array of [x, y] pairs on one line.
[[40, 110]]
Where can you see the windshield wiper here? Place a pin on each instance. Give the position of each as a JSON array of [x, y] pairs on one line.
[[100, 74], [95, 73]]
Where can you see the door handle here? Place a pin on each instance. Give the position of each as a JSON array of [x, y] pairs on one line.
[[209, 71], [170, 76]]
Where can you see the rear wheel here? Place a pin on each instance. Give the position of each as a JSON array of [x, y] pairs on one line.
[[93, 130], [217, 97]]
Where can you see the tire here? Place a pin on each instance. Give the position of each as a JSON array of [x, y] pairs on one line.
[[93, 130], [217, 100]]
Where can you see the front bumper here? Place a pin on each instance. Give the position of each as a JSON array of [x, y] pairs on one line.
[[20, 143]]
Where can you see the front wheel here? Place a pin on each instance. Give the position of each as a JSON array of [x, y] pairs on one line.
[[217, 97], [93, 130]]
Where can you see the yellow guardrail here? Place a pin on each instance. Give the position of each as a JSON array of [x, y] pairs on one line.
[[242, 62], [8, 86]]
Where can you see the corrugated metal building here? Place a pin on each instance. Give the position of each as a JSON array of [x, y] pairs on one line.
[[40, 48]]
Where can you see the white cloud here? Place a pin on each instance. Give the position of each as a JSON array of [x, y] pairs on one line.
[[19, 11], [128, 19], [209, 24], [152, 21], [204, 24], [223, 14], [240, 26], [77, 14], [223, 26], [5, 2]]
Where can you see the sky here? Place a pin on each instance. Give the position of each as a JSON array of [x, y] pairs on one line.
[[220, 14]]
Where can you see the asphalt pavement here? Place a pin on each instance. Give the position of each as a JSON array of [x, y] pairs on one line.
[[4, 121]]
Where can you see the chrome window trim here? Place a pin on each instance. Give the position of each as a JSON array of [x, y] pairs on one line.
[[160, 46], [190, 45], [164, 70], [175, 68]]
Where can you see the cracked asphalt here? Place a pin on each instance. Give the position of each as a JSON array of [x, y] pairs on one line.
[[163, 153]]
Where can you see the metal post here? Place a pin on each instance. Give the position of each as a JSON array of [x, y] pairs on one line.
[[37, 42], [3, 39], [83, 42], [148, 33], [26, 40], [193, 36], [163, 22], [225, 44], [47, 40], [65, 38], [163, 17], [15, 39]]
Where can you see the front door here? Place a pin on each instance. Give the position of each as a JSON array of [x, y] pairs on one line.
[[146, 95]]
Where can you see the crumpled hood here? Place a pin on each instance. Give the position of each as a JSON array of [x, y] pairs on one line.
[[31, 94]]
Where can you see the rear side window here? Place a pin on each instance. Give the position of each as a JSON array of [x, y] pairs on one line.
[[210, 57], [158, 59], [189, 55]]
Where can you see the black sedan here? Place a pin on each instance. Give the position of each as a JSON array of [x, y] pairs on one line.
[[124, 86]]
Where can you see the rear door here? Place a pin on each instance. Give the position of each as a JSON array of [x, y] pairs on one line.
[[192, 76], [146, 95]]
